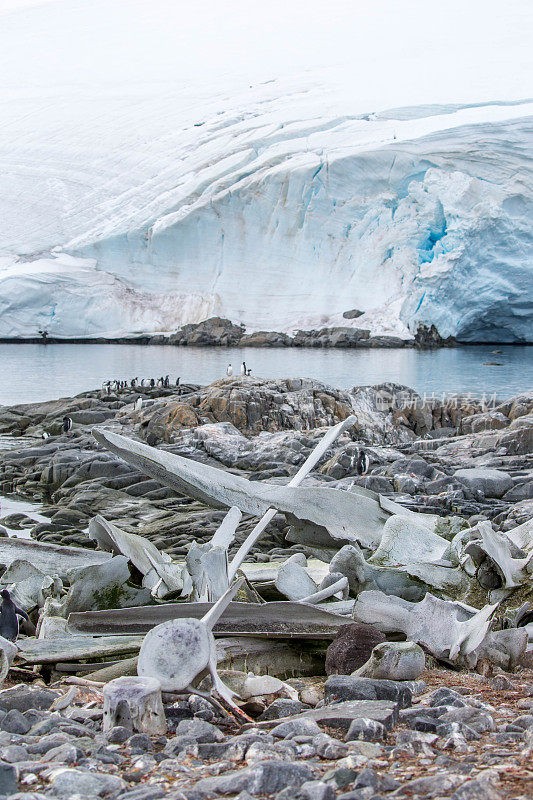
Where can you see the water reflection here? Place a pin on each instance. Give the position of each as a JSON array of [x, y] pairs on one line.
[[38, 372]]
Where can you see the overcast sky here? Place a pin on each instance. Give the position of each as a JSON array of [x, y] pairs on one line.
[[383, 52]]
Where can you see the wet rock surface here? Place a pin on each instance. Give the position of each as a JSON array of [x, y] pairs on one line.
[[264, 430], [390, 729]]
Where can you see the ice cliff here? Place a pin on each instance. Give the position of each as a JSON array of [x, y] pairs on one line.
[[279, 197]]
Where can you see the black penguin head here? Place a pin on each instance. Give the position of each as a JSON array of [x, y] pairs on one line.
[[5, 594]]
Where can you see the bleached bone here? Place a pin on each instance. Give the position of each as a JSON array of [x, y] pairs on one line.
[[25, 583], [48, 558], [208, 568], [178, 651], [311, 461], [225, 533], [137, 700], [505, 649], [447, 629], [522, 536], [440, 577], [355, 516], [362, 576], [161, 576], [292, 579], [103, 586], [208, 563], [506, 561], [404, 540], [8, 651], [327, 591]]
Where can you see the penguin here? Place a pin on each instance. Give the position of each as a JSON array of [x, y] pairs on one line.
[[166, 381], [9, 613], [243, 368], [178, 381], [138, 404], [45, 435], [152, 383], [133, 383], [67, 424], [249, 371], [363, 463], [229, 370]]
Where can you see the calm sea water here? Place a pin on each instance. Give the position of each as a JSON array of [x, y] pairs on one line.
[[33, 372]]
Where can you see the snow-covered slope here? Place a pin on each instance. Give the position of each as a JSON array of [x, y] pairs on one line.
[[159, 169]]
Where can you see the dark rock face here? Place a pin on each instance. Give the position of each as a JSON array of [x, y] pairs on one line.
[[266, 339], [210, 332], [430, 337], [347, 687], [331, 337], [354, 313], [351, 648]]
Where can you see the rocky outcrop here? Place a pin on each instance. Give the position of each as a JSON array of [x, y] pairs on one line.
[[210, 332], [330, 337]]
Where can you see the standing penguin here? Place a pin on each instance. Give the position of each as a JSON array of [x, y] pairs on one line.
[[67, 424], [138, 404], [363, 462], [243, 368], [9, 613], [166, 382], [229, 371], [152, 383]]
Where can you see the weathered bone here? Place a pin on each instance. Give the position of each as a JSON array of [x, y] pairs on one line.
[[48, 558], [292, 579], [508, 561], [363, 576], [345, 515], [208, 563], [161, 576], [327, 591], [270, 620], [136, 700], [178, 651], [208, 568], [311, 461], [522, 536], [447, 629], [404, 540], [505, 648], [103, 586], [28, 585]]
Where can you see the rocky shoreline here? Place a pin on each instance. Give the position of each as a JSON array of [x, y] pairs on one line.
[[426, 732], [263, 429], [220, 332]]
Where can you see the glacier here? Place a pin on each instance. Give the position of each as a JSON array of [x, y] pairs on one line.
[[146, 185]]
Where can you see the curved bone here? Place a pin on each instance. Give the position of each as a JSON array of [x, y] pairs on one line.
[[178, 651], [345, 515], [508, 561], [161, 576], [365, 576], [447, 629], [328, 591]]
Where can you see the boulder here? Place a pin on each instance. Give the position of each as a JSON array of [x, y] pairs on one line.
[[491, 482], [351, 648], [347, 687], [395, 661]]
